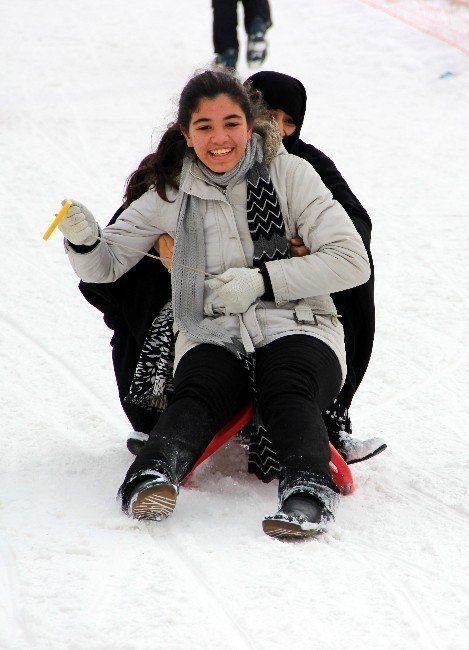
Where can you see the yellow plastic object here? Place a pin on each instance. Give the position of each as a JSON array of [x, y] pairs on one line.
[[58, 218]]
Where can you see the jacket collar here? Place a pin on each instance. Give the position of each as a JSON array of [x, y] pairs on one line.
[[195, 185]]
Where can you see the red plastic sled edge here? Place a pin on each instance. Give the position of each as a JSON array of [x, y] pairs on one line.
[[340, 471]]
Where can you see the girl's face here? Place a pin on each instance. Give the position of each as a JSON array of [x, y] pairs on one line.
[[218, 133], [285, 122]]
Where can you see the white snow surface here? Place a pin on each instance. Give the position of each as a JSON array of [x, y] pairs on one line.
[[87, 89]]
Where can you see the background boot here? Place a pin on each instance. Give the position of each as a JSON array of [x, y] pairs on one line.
[[227, 59], [257, 45]]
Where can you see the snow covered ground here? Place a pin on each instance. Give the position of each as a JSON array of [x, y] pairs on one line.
[[87, 87], [447, 20]]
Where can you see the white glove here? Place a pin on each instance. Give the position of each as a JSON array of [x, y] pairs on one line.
[[240, 289], [79, 226]]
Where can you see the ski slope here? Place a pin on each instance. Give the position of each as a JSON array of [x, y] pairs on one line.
[[87, 88]]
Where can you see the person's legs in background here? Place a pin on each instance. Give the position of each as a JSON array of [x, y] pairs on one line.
[[225, 37], [257, 20]]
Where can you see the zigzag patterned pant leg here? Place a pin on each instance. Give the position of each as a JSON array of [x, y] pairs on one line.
[[296, 377]]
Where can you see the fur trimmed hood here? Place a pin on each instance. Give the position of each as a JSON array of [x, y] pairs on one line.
[[271, 137]]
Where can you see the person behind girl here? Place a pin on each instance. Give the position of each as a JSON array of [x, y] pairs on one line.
[[231, 196], [286, 98]]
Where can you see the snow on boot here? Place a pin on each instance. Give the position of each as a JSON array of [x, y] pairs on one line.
[[257, 45], [354, 450], [307, 502], [136, 441], [300, 516], [339, 429], [257, 50], [227, 59]]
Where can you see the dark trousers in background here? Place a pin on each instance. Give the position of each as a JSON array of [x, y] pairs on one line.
[[296, 378], [225, 21]]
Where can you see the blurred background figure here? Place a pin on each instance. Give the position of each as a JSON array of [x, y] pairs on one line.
[[257, 21]]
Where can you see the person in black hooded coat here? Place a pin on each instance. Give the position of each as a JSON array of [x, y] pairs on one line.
[[286, 94], [130, 304]]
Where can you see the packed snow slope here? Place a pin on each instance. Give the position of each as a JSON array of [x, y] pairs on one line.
[[87, 89], [447, 20]]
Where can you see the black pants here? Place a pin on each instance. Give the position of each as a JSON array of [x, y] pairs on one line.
[[296, 377], [225, 21]]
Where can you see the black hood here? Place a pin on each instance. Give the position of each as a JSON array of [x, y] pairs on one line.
[[286, 94]]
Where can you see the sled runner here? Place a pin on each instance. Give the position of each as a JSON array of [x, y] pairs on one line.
[[340, 471]]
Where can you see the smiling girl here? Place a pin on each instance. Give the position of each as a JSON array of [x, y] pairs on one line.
[[224, 187]]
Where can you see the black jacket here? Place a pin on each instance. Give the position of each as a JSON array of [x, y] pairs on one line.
[[356, 306], [129, 306]]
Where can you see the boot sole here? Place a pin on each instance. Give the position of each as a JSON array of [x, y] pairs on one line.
[[286, 530], [155, 503]]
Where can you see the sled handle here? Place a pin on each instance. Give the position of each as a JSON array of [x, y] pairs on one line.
[[58, 218]]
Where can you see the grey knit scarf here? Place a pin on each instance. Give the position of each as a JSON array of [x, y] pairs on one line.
[[189, 253]]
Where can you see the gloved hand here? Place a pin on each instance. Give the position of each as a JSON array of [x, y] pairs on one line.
[[213, 306], [79, 226], [240, 289]]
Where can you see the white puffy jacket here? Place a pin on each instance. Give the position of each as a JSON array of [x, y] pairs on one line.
[[338, 259]]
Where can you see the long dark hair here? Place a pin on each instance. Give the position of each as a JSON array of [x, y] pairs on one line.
[[161, 168]]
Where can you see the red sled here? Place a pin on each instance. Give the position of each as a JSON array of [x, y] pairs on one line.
[[340, 471]]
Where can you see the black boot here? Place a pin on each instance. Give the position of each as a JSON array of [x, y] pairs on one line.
[[307, 502], [339, 429], [257, 45], [152, 499], [150, 493], [300, 516], [136, 441], [227, 59], [303, 506], [354, 450]]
